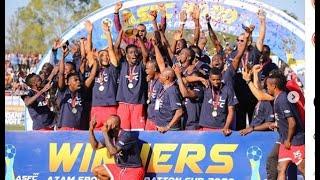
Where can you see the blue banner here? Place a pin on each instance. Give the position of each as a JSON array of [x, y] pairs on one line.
[[184, 155]]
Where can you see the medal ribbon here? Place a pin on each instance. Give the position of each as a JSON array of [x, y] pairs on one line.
[[73, 101], [151, 87], [131, 71], [244, 59], [215, 98], [101, 76]]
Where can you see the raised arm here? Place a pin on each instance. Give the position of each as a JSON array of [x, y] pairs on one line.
[[112, 148], [55, 47], [166, 44], [90, 79], [183, 19], [256, 80], [194, 78], [89, 27], [82, 48], [163, 21], [83, 63], [116, 18], [29, 100], [262, 29], [153, 18], [176, 37], [258, 93], [117, 44], [213, 37], [159, 57], [144, 50], [241, 48], [53, 72], [118, 40], [195, 17], [61, 78], [114, 59], [92, 139], [185, 92]]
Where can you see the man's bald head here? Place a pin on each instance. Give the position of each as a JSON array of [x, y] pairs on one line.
[[113, 121], [217, 61], [169, 73]]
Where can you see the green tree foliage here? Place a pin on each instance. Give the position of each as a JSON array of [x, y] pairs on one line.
[[33, 28], [14, 40]]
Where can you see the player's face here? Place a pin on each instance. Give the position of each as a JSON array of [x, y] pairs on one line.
[[74, 83], [46, 71], [179, 46], [68, 69], [112, 127], [270, 87], [240, 39], [104, 57], [217, 61], [183, 56], [227, 50], [265, 53], [150, 69], [215, 80], [36, 81], [132, 55], [142, 31]]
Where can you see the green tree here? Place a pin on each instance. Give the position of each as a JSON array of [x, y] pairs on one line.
[[13, 39], [41, 21]]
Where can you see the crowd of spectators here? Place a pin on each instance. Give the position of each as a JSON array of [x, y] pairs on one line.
[[17, 67]]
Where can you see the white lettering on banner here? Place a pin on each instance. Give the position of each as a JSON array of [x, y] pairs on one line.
[[61, 178], [86, 178], [186, 178], [14, 118], [26, 177], [13, 100], [72, 178], [14, 110]]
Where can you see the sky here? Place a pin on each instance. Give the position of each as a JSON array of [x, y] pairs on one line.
[[296, 6]]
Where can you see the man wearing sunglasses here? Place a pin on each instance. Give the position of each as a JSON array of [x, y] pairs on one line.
[[250, 57]]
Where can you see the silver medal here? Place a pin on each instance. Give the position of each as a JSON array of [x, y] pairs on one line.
[[214, 113], [130, 85], [74, 110], [101, 88]]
